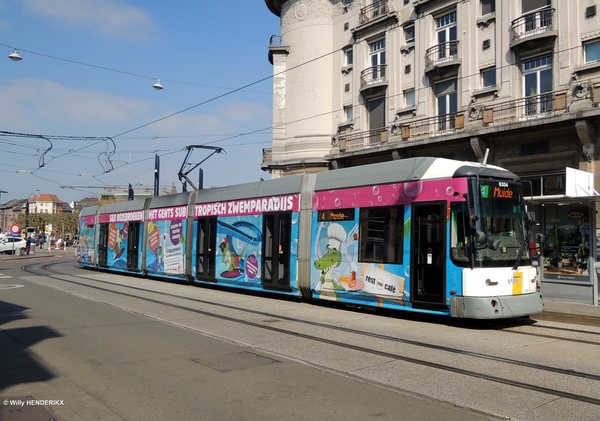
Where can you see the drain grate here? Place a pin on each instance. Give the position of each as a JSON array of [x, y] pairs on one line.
[[236, 361]]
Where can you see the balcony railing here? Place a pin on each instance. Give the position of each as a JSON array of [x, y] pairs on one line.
[[433, 126], [362, 140], [441, 53], [543, 105], [373, 11], [275, 41], [530, 108], [532, 23], [375, 74]]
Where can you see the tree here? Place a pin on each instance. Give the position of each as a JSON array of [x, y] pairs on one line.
[[64, 224]]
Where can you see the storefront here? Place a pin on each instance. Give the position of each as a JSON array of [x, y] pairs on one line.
[[568, 254]]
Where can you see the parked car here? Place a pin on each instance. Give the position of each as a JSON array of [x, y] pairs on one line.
[[8, 244]]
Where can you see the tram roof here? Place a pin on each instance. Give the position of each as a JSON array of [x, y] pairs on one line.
[[410, 169], [268, 188], [132, 205]]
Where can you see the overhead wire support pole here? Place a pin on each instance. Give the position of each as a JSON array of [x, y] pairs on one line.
[[183, 175]]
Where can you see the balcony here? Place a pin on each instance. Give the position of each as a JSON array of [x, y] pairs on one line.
[[373, 11], [363, 140], [532, 107], [267, 158], [432, 126], [533, 30], [442, 60], [373, 80]]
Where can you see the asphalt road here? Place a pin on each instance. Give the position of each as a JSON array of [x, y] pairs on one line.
[[97, 361]]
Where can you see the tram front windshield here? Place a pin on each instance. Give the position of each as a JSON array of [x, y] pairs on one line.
[[499, 237]]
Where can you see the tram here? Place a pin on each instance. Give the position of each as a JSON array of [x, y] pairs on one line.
[[428, 235]]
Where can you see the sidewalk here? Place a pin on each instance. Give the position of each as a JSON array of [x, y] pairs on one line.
[[53, 252], [554, 311], [575, 313]]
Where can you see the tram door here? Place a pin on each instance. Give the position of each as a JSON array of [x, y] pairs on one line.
[[205, 249], [103, 246], [133, 241], [428, 255], [276, 251]]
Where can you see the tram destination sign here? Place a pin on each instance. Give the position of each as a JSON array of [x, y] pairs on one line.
[[498, 190]]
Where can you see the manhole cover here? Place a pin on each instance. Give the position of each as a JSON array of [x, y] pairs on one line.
[[236, 361]]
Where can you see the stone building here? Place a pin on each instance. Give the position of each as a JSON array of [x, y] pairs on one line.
[[366, 81]]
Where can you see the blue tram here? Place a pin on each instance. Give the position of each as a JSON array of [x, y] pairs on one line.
[[429, 235]]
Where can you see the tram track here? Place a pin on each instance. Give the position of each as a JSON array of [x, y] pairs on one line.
[[103, 286], [575, 340]]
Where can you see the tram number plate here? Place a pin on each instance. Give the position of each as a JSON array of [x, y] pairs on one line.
[[517, 283]]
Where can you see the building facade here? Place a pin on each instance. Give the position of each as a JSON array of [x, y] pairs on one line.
[[10, 212], [514, 83], [366, 81], [45, 203]]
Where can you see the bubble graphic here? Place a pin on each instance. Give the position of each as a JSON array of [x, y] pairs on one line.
[[449, 191], [337, 202], [315, 201], [376, 190], [407, 271], [413, 189]]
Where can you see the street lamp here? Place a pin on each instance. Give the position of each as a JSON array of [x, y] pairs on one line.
[[15, 56], [34, 197], [3, 215]]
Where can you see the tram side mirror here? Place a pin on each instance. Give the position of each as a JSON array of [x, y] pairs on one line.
[[473, 218], [540, 238], [531, 217], [480, 237]]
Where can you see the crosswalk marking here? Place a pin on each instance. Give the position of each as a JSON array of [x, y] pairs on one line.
[[3, 276]]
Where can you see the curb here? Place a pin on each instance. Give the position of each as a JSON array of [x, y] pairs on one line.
[[579, 319]]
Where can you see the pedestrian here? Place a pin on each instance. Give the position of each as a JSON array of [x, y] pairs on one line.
[[31, 245]]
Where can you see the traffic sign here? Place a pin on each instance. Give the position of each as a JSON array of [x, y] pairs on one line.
[[15, 230]]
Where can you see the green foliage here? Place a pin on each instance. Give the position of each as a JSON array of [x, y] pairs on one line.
[[62, 223]]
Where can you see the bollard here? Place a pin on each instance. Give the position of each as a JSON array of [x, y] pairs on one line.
[[17, 251]]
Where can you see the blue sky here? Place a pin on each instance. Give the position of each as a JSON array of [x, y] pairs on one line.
[[87, 71]]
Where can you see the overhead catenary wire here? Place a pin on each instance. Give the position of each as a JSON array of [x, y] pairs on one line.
[[231, 91]]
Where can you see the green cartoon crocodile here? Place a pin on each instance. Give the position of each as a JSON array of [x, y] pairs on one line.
[[330, 260]]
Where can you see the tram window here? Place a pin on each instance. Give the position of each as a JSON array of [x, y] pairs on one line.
[[459, 232], [381, 234]]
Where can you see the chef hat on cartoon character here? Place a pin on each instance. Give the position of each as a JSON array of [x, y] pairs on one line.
[[337, 235]]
